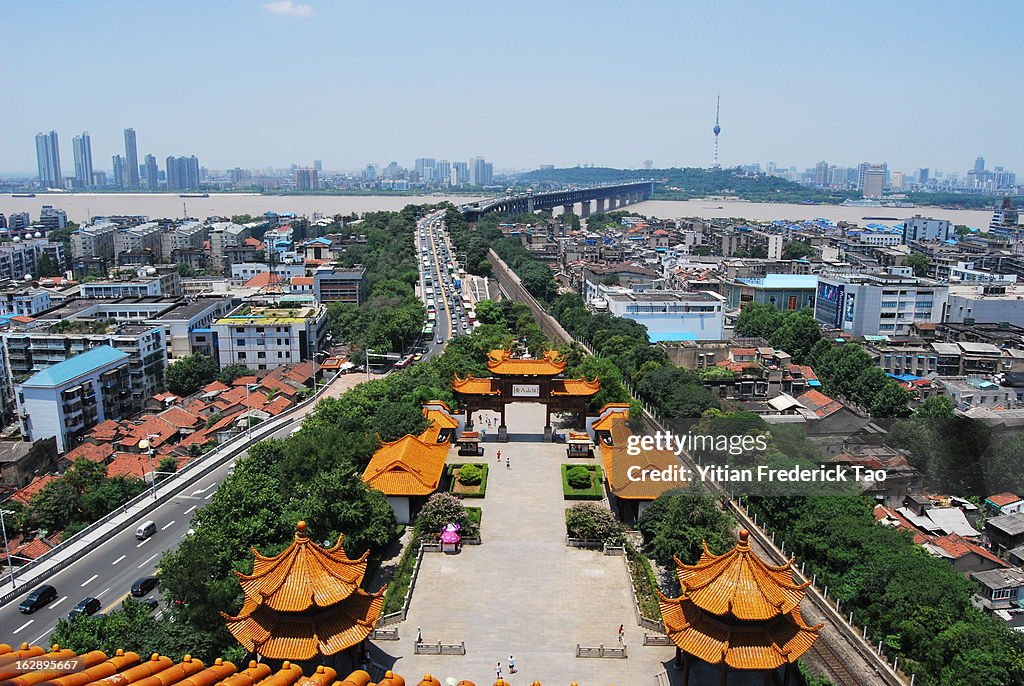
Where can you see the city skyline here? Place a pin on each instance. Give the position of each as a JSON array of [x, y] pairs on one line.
[[892, 90]]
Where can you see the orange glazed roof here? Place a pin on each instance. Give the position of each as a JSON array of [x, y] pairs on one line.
[[617, 463], [755, 646], [740, 583], [472, 386], [574, 387], [502, 362], [304, 602], [408, 466]]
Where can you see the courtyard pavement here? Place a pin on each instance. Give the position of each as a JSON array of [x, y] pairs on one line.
[[523, 591]]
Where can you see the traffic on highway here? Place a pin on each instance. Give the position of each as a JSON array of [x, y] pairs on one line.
[[441, 282]]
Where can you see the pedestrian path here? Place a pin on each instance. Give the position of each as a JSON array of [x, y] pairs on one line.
[[524, 592]]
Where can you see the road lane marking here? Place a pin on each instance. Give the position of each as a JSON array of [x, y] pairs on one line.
[[101, 593], [190, 509], [119, 559], [144, 542], [89, 580], [23, 626], [148, 560], [57, 603], [41, 636], [115, 601], [202, 490], [168, 524], [210, 495]]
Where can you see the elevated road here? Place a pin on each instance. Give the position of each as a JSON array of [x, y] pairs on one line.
[[607, 197]]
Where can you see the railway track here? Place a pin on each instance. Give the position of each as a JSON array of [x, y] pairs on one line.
[[838, 672]]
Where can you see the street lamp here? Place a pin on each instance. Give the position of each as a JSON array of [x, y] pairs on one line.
[[7, 550], [147, 445]]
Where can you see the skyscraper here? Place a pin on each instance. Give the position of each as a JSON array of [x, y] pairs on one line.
[[821, 174], [48, 160], [460, 172], [442, 171], [979, 164], [118, 171], [152, 173], [307, 179], [873, 181], [131, 159], [481, 172], [318, 165], [182, 173], [82, 147]]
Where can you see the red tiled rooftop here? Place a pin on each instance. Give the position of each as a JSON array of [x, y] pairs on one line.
[[1003, 499], [91, 451], [25, 493], [264, 279]]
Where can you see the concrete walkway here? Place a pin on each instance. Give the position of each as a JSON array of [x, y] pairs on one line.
[[524, 592]]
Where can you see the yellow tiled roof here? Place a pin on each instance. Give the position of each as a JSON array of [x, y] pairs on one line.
[[502, 362], [617, 463], [608, 413], [473, 386], [408, 466], [575, 387], [740, 583]]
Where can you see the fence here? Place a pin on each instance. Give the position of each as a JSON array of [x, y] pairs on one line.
[[48, 564], [657, 640], [384, 634], [589, 543], [439, 648], [601, 651]]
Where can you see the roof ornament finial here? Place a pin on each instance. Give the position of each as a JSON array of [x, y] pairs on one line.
[[744, 538], [300, 531]]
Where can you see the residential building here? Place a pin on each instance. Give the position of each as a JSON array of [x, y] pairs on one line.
[[481, 172], [340, 285], [182, 235], [131, 160], [82, 148], [140, 238], [222, 236], [70, 397], [1004, 503], [985, 303], [968, 392], [18, 300], [1005, 531], [21, 258], [152, 177], [268, 337], [878, 304], [51, 218], [781, 291], [1000, 589], [307, 179], [182, 173], [119, 173], [48, 160], [94, 240], [919, 228], [671, 315], [152, 283]]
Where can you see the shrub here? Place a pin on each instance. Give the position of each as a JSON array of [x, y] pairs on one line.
[[440, 510], [593, 521], [578, 477], [470, 475]]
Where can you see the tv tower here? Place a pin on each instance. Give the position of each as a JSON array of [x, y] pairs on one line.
[[718, 129]]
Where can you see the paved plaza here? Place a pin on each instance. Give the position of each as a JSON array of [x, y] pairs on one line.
[[524, 592]]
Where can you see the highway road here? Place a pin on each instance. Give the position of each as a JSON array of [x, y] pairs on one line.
[[109, 570], [434, 254]]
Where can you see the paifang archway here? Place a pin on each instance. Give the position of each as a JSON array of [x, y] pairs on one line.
[[517, 380]]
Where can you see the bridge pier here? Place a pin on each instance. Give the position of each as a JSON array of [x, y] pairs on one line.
[[567, 209], [600, 205], [585, 209], [529, 206]]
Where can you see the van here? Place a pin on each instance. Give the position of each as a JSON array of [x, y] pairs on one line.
[[40, 597], [145, 530]]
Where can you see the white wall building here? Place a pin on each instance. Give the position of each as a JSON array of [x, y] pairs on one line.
[[671, 315], [268, 337]]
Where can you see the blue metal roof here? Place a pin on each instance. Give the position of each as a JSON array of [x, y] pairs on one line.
[[685, 336], [783, 281], [71, 368]]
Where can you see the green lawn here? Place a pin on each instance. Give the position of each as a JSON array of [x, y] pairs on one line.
[[594, 492], [452, 484]]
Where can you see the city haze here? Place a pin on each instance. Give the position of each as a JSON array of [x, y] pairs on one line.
[[256, 84]]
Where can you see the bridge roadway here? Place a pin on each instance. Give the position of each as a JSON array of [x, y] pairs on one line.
[[108, 571], [607, 197]]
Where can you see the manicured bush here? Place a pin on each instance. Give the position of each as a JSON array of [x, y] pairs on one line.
[[578, 477], [470, 475], [440, 510], [593, 521]]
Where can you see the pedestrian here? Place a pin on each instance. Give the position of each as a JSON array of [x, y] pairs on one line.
[[499, 456], [497, 670], [508, 462], [621, 631], [511, 665]]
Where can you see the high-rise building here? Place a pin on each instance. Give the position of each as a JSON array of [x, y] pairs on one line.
[[821, 174], [48, 160], [481, 172], [82, 147], [131, 159], [318, 165], [425, 168], [460, 173], [118, 171], [370, 173], [897, 180], [152, 175], [442, 171], [872, 181], [307, 179], [922, 176], [979, 164], [182, 173]]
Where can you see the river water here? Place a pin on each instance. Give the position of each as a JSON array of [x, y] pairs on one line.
[[80, 206]]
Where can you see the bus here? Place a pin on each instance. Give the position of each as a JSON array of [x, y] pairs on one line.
[[428, 330], [404, 362]]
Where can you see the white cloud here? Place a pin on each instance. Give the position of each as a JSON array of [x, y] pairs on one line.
[[290, 8]]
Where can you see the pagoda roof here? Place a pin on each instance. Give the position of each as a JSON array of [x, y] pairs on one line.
[[740, 583], [576, 387], [753, 646], [607, 414], [303, 636], [617, 463], [302, 576], [502, 362], [305, 601], [408, 466], [472, 386]]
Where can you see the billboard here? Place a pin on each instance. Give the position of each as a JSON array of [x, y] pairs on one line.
[[829, 301]]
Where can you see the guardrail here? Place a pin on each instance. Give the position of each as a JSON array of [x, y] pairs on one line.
[[439, 648], [131, 511], [601, 651]]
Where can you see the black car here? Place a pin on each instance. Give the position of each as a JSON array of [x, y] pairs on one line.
[[151, 602], [85, 606], [144, 586], [37, 599]]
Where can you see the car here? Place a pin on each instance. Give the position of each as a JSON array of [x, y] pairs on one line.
[[86, 606], [144, 585], [440, 339], [417, 357], [151, 602], [37, 599]]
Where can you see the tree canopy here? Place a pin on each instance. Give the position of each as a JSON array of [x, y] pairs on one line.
[[190, 373]]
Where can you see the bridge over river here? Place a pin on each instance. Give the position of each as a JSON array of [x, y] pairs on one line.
[[607, 197]]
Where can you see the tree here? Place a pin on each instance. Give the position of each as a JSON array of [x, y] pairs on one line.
[[758, 319], [166, 467], [1003, 466], [440, 510], [919, 262], [891, 401], [936, 407], [593, 521], [230, 373], [797, 334], [797, 250], [185, 271], [701, 250], [678, 522], [47, 266], [190, 373], [489, 312]]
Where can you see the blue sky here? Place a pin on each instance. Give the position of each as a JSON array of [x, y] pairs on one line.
[[519, 82]]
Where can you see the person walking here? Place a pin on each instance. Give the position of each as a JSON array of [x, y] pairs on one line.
[[497, 670], [621, 631], [511, 665], [508, 462], [499, 456]]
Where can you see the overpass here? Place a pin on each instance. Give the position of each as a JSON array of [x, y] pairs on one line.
[[608, 197]]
